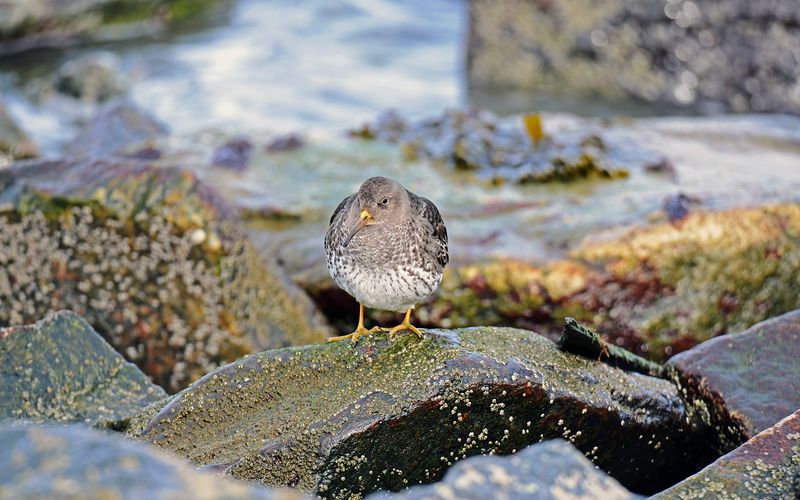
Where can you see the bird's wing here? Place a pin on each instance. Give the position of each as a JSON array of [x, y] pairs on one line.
[[344, 203], [431, 215]]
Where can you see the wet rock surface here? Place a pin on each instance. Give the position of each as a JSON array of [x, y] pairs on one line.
[[26, 25], [341, 419], [94, 77], [505, 150], [119, 128], [14, 143], [60, 370], [152, 258], [76, 462], [743, 383], [735, 55], [766, 466], [553, 469]]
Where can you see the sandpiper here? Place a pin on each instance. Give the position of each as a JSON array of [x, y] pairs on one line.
[[387, 247]]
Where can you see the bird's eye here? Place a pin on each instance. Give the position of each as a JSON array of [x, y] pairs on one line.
[[384, 201]]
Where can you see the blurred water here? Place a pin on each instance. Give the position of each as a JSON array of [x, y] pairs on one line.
[[279, 65]]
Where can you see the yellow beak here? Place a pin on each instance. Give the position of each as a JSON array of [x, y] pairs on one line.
[[363, 220]]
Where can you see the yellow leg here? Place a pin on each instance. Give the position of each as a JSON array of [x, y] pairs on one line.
[[360, 330], [405, 325]]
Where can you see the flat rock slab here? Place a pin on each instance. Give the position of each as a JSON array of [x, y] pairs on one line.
[[340, 419], [742, 384], [767, 466], [76, 462], [60, 370], [549, 470]]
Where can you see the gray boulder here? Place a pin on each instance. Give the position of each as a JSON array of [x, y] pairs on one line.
[[73, 462], [546, 471], [60, 370], [743, 383]]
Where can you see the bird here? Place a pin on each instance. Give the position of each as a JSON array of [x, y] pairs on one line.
[[386, 247]]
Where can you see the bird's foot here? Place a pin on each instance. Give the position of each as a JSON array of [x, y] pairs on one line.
[[405, 325], [360, 332], [603, 351]]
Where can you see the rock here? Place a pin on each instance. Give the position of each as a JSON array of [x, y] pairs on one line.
[[499, 150], [735, 54], [288, 142], [766, 466], [76, 462], [669, 287], [26, 24], [340, 419], [544, 471], [119, 128], [153, 259], [93, 77], [60, 370], [234, 154], [14, 143], [743, 383]]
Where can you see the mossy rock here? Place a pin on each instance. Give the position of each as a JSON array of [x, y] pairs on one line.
[[741, 384], [342, 419], [675, 285], [47, 461], [152, 258], [26, 25], [60, 370], [766, 466], [553, 469]]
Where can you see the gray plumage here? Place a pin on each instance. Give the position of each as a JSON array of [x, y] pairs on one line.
[[398, 257]]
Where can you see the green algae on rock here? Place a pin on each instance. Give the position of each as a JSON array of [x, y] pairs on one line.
[[341, 419], [60, 370], [741, 384], [26, 25], [714, 273], [548, 470], [152, 258], [47, 461], [766, 466], [499, 150]]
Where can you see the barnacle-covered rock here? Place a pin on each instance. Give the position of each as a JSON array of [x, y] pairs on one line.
[[46, 461], [515, 150], [60, 370], [741, 384], [151, 258], [544, 471], [766, 466], [343, 419]]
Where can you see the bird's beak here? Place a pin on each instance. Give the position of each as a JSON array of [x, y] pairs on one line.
[[364, 219]]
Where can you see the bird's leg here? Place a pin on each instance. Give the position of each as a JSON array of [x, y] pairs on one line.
[[360, 330], [405, 325]]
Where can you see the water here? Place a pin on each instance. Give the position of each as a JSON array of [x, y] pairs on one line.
[[323, 66]]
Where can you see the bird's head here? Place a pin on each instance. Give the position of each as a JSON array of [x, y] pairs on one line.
[[379, 200]]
